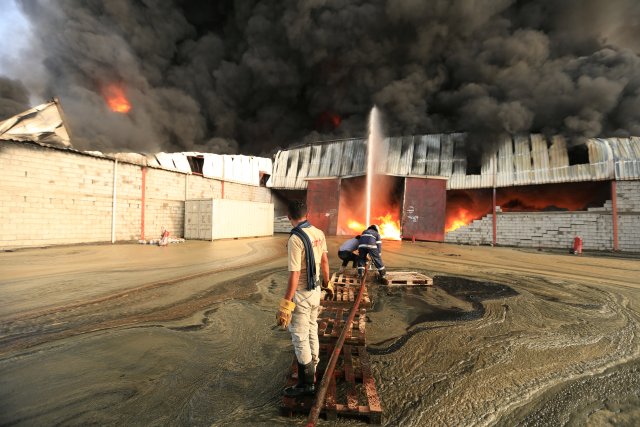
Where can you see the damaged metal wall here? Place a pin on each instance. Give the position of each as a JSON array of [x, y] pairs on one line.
[[518, 160], [234, 168]]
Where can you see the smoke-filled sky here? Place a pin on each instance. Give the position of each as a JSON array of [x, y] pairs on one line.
[[251, 76]]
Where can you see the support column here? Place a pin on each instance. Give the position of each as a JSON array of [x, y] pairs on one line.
[[222, 181], [114, 204], [495, 220], [143, 201], [614, 213]]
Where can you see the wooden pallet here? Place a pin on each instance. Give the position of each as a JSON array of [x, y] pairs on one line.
[[346, 289], [345, 279], [331, 321], [351, 393], [408, 278], [349, 277]]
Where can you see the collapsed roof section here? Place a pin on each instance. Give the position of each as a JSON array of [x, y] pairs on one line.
[[233, 168], [237, 168], [518, 160], [43, 124]]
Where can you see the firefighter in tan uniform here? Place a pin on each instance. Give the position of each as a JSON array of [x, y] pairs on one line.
[[307, 262]]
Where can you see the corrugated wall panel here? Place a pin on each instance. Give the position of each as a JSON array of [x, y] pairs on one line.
[[392, 157], [459, 158], [627, 157], [359, 157], [433, 155], [280, 170], [540, 157], [446, 155], [558, 159], [406, 156], [316, 160], [292, 170], [504, 175], [380, 164], [525, 160], [522, 161], [488, 169], [303, 167], [325, 162], [336, 155], [419, 163], [347, 158]]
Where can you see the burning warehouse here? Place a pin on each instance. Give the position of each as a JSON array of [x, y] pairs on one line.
[[529, 191], [508, 124]]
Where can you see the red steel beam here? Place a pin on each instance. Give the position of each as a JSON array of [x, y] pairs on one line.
[[495, 228]]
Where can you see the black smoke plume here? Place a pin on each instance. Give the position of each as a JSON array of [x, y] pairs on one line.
[[250, 76], [14, 98]]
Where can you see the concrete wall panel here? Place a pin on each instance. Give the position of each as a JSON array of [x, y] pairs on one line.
[[51, 196]]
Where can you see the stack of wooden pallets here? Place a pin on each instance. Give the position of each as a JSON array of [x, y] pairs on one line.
[[352, 390]]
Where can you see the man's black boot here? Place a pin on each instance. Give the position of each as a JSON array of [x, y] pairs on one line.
[[310, 378], [305, 385]]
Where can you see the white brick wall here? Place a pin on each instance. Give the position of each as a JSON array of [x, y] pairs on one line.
[[628, 215], [558, 229], [51, 196]]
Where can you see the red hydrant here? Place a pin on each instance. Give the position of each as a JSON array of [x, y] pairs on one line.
[[577, 245]]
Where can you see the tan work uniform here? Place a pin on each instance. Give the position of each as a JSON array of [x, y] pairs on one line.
[[304, 326]]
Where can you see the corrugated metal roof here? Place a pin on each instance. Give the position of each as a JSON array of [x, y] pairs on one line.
[[43, 123], [236, 168], [518, 160]]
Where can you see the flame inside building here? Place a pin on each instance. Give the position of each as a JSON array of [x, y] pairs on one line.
[[465, 206], [385, 206], [437, 193], [116, 99]]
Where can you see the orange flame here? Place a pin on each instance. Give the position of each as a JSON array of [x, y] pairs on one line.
[[385, 211], [460, 218], [465, 206], [116, 99], [389, 227], [355, 226]]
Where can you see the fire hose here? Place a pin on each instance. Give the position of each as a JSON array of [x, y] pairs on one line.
[[328, 373]]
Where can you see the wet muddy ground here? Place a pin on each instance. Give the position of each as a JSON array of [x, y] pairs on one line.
[[182, 335]]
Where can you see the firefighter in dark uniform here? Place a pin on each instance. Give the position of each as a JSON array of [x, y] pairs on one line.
[[370, 244]]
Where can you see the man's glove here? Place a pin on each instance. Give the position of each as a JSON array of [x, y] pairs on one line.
[[283, 317], [328, 289]]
